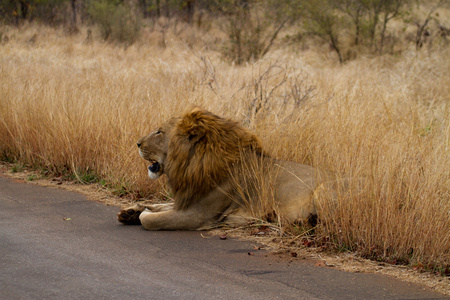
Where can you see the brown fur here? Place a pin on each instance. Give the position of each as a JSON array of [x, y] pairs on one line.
[[203, 147], [203, 155]]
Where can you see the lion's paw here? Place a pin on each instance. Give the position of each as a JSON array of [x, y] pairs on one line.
[[130, 215]]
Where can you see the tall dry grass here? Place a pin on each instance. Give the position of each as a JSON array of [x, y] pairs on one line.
[[67, 106]]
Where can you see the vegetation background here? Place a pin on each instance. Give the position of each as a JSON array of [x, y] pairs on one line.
[[359, 87]]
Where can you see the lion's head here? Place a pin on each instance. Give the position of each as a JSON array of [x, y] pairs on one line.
[[153, 148], [195, 152]]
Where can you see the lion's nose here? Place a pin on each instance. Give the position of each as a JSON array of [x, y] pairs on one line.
[[139, 145]]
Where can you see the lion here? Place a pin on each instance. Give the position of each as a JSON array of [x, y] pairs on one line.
[[203, 155]]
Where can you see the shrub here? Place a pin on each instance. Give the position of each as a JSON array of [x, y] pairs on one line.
[[251, 27], [115, 20]]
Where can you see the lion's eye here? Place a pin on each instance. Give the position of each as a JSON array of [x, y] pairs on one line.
[[158, 131]]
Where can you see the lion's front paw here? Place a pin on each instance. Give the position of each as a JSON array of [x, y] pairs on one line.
[[130, 215]]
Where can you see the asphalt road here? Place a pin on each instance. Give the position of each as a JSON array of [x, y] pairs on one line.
[[44, 255]]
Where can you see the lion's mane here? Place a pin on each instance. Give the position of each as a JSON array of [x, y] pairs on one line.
[[201, 149]]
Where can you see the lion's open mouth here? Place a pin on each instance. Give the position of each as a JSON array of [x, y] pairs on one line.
[[154, 167]]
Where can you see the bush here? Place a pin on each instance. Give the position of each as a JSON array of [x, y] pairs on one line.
[[251, 27], [115, 20], [47, 11]]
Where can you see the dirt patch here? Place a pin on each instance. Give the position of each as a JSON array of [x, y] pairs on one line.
[[94, 192], [279, 247]]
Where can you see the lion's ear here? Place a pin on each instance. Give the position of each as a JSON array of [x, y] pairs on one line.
[[196, 134], [192, 124]]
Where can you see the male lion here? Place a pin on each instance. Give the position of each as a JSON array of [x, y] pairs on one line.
[[203, 156]]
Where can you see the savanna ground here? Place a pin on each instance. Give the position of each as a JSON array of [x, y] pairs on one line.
[[72, 106]]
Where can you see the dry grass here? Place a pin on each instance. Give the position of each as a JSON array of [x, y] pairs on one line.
[[68, 106]]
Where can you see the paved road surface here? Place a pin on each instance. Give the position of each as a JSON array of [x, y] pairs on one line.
[[91, 256]]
